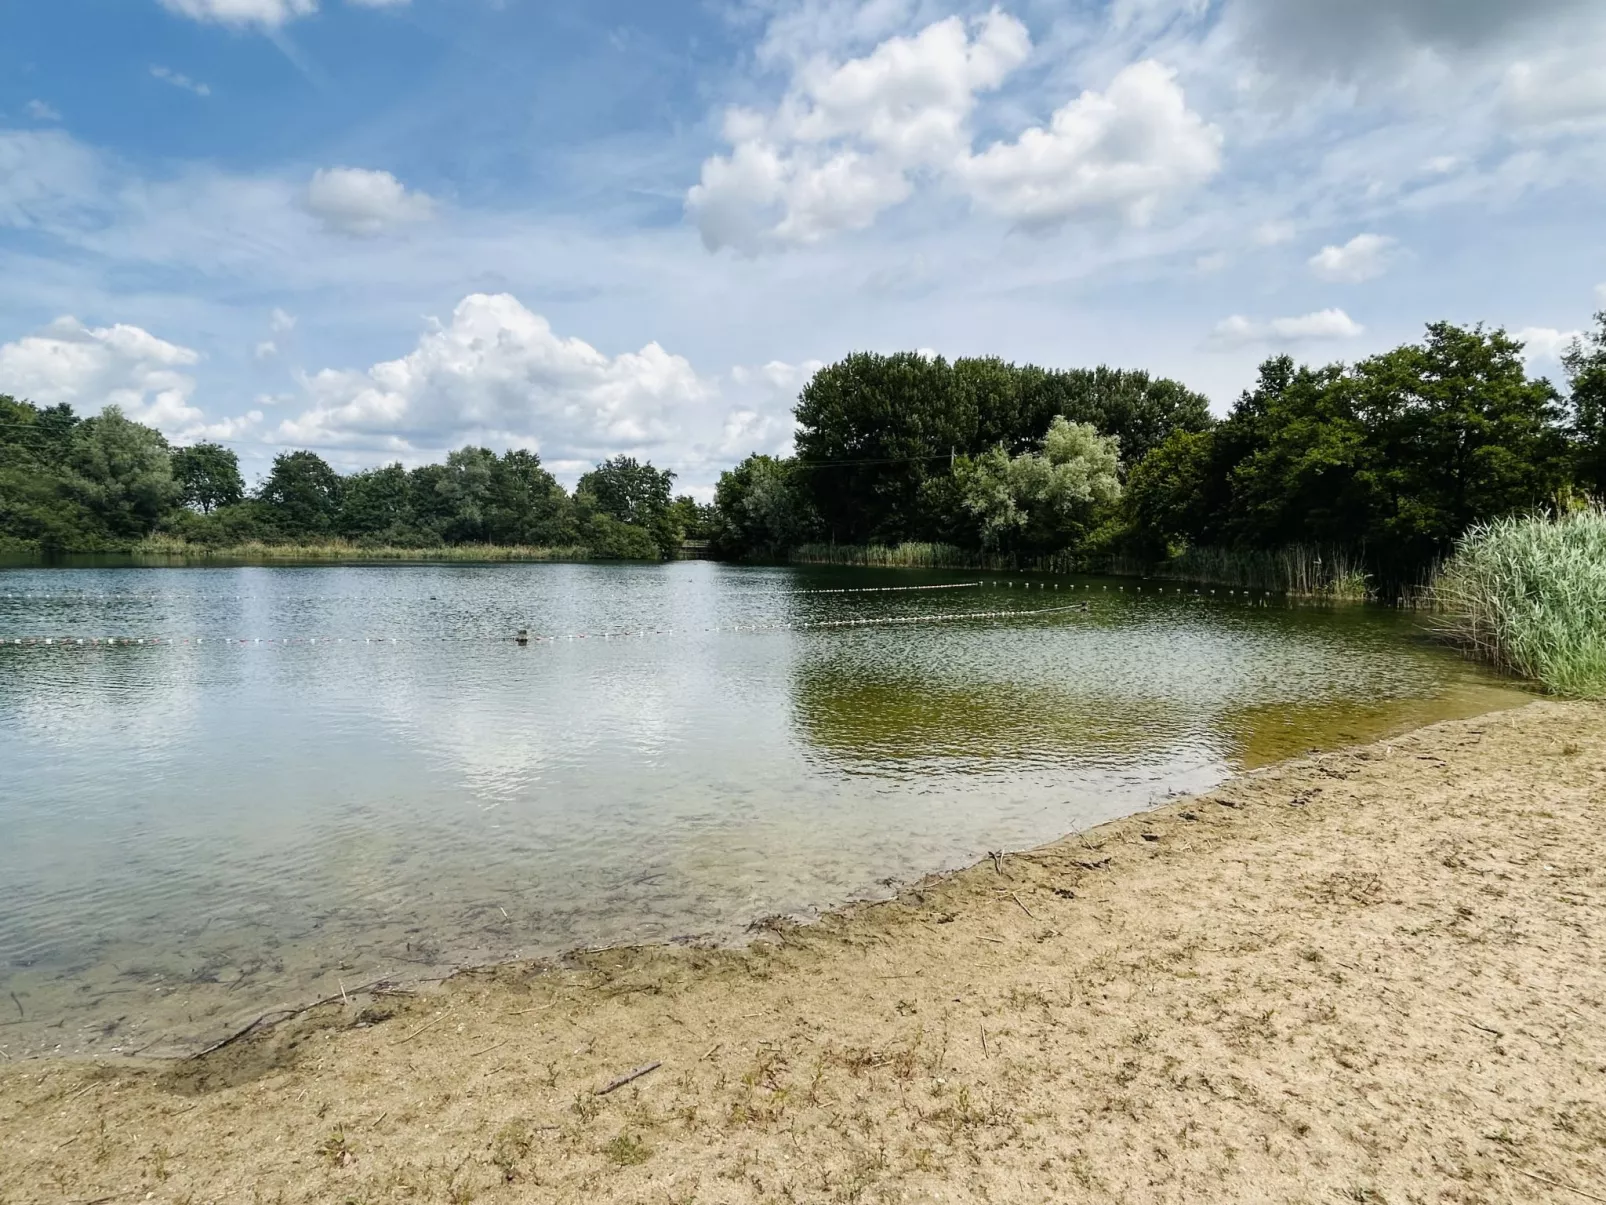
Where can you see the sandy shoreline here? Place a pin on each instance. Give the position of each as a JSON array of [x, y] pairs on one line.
[[1370, 975]]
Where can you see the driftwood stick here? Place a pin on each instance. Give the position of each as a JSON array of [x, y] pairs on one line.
[[626, 1078], [1558, 1184], [430, 1024], [1023, 907]]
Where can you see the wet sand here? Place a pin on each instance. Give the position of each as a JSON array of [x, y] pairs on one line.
[[1369, 975]]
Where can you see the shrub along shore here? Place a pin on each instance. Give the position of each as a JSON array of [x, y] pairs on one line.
[[1371, 975]]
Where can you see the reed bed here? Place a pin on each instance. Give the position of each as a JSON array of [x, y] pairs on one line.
[[1528, 594], [343, 550], [908, 555], [1299, 569]]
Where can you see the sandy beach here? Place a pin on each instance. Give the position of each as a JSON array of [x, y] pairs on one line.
[[1373, 975]]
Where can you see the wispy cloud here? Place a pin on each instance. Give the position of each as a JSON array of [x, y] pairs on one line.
[[179, 80], [1320, 326]]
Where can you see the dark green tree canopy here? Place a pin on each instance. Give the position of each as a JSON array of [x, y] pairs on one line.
[[1397, 455], [627, 490], [878, 435], [123, 472], [208, 476], [759, 509], [1585, 362], [303, 492]]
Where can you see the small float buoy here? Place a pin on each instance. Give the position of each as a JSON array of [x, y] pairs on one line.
[[523, 636]]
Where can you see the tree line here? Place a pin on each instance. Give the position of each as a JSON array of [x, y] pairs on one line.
[[1391, 458], [104, 483]]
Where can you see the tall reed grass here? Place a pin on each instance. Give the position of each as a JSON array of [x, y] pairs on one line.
[[898, 556], [342, 550], [1301, 569], [1529, 594]]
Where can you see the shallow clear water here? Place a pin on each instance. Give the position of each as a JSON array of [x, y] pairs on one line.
[[382, 783]]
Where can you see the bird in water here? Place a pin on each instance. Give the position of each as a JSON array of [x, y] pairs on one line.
[[523, 636]]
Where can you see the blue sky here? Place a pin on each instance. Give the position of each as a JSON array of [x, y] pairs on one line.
[[383, 229]]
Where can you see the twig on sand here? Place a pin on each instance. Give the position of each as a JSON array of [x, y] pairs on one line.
[[985, 1052], [21, 1016], [998, 861], [1557, 1184], [710, 1052], [1023, 907], [488, 1049], [626, 1078], [430, 1024]]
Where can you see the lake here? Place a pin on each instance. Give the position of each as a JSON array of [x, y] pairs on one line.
[[314, 777]]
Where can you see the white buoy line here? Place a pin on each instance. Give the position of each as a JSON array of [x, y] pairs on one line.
[[792, 626], [894, 589]]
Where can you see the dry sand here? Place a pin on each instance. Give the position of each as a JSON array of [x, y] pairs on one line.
[[1373, 975]]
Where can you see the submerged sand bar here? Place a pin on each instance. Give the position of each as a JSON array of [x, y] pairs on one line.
[[1371, 975]]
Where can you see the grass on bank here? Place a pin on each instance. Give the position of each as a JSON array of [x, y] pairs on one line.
[[1529, 594], [343, 550]]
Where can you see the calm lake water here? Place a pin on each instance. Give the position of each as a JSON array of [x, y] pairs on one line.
[[382, 783]]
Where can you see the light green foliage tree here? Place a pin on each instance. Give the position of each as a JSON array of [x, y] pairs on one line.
[[1046, 499]]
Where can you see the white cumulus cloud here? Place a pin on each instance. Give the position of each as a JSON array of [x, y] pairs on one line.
[[762, 421], [845, 142], [1238, 331], [1544, 343], [356, 201], [1124, 151], [498, 372], [268, 13], [1362, 258], [92, 367]]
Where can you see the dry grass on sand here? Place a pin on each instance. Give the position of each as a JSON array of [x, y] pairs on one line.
[[1373, 975]]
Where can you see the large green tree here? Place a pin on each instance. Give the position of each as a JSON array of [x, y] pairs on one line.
[[208, 475], [761, 509], [1585, 362], [123, 473], [632, 493], [526, 505], [1460, 434], [302, 494]]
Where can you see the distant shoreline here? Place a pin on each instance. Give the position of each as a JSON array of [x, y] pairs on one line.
[[332, 551]]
